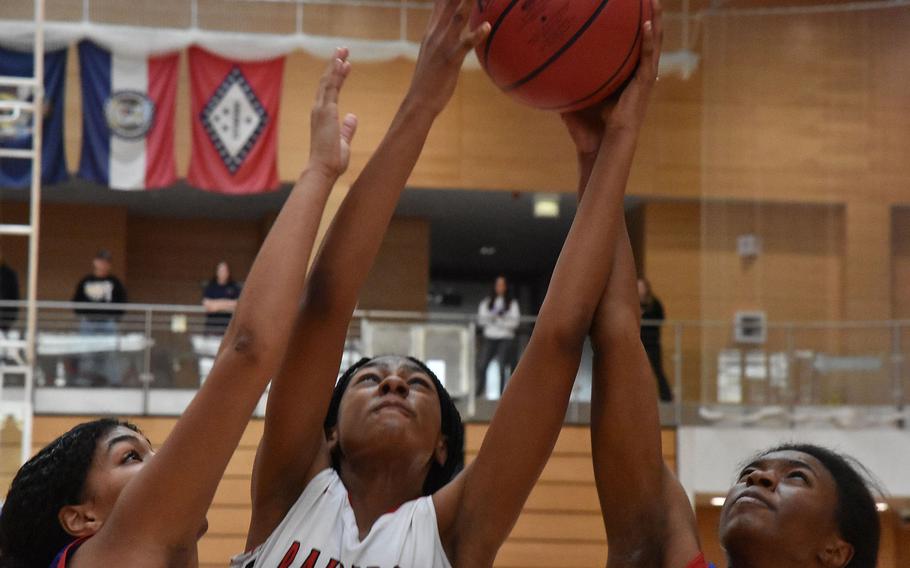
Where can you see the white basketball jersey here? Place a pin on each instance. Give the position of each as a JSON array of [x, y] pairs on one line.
[[320, 531]]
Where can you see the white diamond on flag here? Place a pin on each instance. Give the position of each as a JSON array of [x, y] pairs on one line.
[[234, 119]]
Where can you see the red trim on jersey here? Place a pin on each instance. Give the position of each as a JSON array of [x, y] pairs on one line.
[[698, 562], [71, 547]]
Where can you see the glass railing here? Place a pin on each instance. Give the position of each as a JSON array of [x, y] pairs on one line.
[[150, 359]]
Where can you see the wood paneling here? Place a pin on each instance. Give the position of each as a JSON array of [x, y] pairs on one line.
[[561, 524], [171, 259], [71, 235], [900, 262], [400, 277]]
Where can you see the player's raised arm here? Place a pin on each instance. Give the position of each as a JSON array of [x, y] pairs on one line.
[[488, 497], [184, 474], [293, 445]]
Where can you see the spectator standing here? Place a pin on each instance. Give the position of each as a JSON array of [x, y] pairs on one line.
[[499, 316], [652, 314], [100, 287], [220, 299]]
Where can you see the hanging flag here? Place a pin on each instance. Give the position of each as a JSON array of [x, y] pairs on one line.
[[235, 123], [127, 118], [16, 126]]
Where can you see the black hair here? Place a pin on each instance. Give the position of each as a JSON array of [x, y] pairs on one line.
[[855, 512], [452, 426], [30, 531], [506, 298]]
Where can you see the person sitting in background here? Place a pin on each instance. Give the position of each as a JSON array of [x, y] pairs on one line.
[[652, 314], [100, 287], [499, 316], [220, 299]]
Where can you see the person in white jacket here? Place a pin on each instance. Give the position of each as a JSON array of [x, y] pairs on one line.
[[499, 316]]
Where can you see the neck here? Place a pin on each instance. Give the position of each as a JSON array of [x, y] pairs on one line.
[[375, 491]]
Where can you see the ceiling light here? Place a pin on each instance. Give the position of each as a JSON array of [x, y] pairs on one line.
[[718, 501], [487, 251]]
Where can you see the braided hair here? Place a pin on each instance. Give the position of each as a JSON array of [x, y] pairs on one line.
[[452, 426], [30, 531]]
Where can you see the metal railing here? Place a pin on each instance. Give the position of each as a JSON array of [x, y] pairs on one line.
[[845, 374]]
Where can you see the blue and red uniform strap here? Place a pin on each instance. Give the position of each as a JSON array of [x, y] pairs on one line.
[[66, 553], [698, 562]]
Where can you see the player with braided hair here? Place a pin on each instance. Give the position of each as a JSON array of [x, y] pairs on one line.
[[100, 492], [375, 483]]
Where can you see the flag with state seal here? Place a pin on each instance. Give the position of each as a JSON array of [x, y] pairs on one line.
[[128, 104], [16, 124], [235, 123]]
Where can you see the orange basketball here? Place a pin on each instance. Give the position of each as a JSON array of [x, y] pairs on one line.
[[561, 55]]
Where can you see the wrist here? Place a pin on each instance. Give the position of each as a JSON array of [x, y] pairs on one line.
[[417, 106], [320, 173]]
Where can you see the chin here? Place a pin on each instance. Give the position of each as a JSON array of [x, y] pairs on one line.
[[743, 532]]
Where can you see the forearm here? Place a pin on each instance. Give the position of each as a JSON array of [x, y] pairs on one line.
[[250, 355], [264, 315], [625, 423], [356, 234], [590, 246]]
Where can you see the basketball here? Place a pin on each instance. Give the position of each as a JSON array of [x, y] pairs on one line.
[[561, 55]]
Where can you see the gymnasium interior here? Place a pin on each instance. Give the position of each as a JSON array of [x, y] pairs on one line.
[[768, 208]]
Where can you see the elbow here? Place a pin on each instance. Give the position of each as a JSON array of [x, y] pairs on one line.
[[241, 344]]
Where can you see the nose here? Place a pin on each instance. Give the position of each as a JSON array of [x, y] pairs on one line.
[[762, 478], [393, 384]]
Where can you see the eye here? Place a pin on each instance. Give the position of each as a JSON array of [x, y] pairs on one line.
[[419, 382], [798, 475], [370, 378], [131, 456], [746, 473]]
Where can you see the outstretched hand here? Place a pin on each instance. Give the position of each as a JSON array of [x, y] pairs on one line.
[[447, 42], [630, 108], [330, 142]]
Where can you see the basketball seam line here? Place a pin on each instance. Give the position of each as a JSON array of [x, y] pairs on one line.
[[561, 51], [613, 76], [494, 29]]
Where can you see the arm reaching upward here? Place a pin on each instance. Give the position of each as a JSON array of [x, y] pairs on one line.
[[485, 501], [185, 472], [293, 445]]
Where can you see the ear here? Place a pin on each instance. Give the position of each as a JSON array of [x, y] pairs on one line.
[[331, 438], [836, 554], [441, 452], [79, 520]]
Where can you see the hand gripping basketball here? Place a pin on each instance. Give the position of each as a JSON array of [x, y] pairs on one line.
[[632, 104], [330, 143], [447, 41]]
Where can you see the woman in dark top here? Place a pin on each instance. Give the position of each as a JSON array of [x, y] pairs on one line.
[[653, 311], [220, 299]]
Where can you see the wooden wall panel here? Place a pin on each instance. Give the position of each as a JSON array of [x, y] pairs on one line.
[[71, 235], [400, 277], [561, 524], [170, 259], [900, 263]]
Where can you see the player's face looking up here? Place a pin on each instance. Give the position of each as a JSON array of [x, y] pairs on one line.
[[119, 456], [390, 412], [784, 504]]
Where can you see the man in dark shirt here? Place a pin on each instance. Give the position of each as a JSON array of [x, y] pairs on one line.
[[100, 287]]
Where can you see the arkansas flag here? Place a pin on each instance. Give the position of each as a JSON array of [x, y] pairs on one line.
[[127, 118], [16, 126], [235, 123]]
